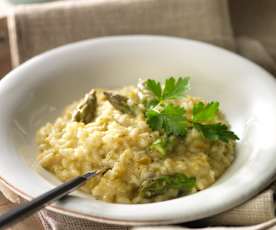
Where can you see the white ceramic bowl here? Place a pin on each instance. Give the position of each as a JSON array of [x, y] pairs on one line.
[[37, 91]]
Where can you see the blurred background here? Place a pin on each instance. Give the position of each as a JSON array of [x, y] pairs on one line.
[[9, 3], [248, 18]]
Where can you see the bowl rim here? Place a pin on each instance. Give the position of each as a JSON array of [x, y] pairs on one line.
[[58, 209]]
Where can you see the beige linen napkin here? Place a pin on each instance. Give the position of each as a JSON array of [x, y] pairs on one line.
[[38, 28], [34, 29]]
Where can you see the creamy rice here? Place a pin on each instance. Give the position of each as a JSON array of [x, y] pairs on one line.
[[121, 141]]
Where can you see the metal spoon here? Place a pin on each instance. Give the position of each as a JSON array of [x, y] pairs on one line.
[[28, 208]]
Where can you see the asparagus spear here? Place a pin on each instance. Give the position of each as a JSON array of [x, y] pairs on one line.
[[160, 185], [86, 110], [119, 102]]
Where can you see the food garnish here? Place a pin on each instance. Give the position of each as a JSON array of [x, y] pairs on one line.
[[205, 113], [216, 132], [86, 110], [164, 145], [170, 119], [161, 185], [173, 88], [119, 102]]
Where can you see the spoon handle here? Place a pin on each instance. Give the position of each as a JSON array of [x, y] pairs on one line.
[[28, 208]]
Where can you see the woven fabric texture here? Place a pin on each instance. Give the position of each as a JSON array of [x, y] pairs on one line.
[[41, 27]]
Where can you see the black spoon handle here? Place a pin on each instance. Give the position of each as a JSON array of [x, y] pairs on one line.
[[28, 208]]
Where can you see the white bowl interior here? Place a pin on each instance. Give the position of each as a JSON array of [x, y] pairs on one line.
[[38, 91]]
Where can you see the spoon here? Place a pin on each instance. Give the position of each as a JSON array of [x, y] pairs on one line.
[[28, 208]]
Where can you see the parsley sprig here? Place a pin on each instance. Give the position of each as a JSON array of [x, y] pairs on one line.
[[162, 115], [205, 113], [170, 119], [216, 132], [173, 89]]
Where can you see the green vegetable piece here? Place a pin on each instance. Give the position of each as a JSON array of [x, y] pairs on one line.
[[86, 110], [175, 89], [161, 185], [119, 102], [150, 104], [205, 113], [154, 87], [143, 92], [170, 118], [164, 145], [216, 132]]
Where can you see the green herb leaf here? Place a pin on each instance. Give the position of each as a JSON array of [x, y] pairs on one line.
[[154, 87], [160, 185], [175, 89], [205, 113], [216, 132], [164, 145], [170, 118], [150, 104]]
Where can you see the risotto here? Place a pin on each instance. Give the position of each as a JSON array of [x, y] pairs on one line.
[[157, 142]]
